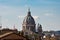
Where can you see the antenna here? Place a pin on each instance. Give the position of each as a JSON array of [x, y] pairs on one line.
[[14, 27]]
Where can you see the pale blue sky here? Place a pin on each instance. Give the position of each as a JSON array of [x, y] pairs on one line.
[[48, 12]]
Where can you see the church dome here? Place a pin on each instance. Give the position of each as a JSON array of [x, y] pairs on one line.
[[29, 19]]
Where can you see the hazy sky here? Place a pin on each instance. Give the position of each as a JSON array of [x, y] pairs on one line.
[[48, 12]]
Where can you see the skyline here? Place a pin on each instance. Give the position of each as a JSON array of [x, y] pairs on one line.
[[48, 12]]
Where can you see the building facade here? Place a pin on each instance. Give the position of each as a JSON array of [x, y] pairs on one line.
[[29, 26]]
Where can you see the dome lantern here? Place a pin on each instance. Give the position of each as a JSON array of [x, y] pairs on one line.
[[29, 13]]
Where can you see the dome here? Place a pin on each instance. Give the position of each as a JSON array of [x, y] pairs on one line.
[[29, 19]]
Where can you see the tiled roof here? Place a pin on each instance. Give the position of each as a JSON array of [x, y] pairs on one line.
[[5, 34], [3, 31]]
